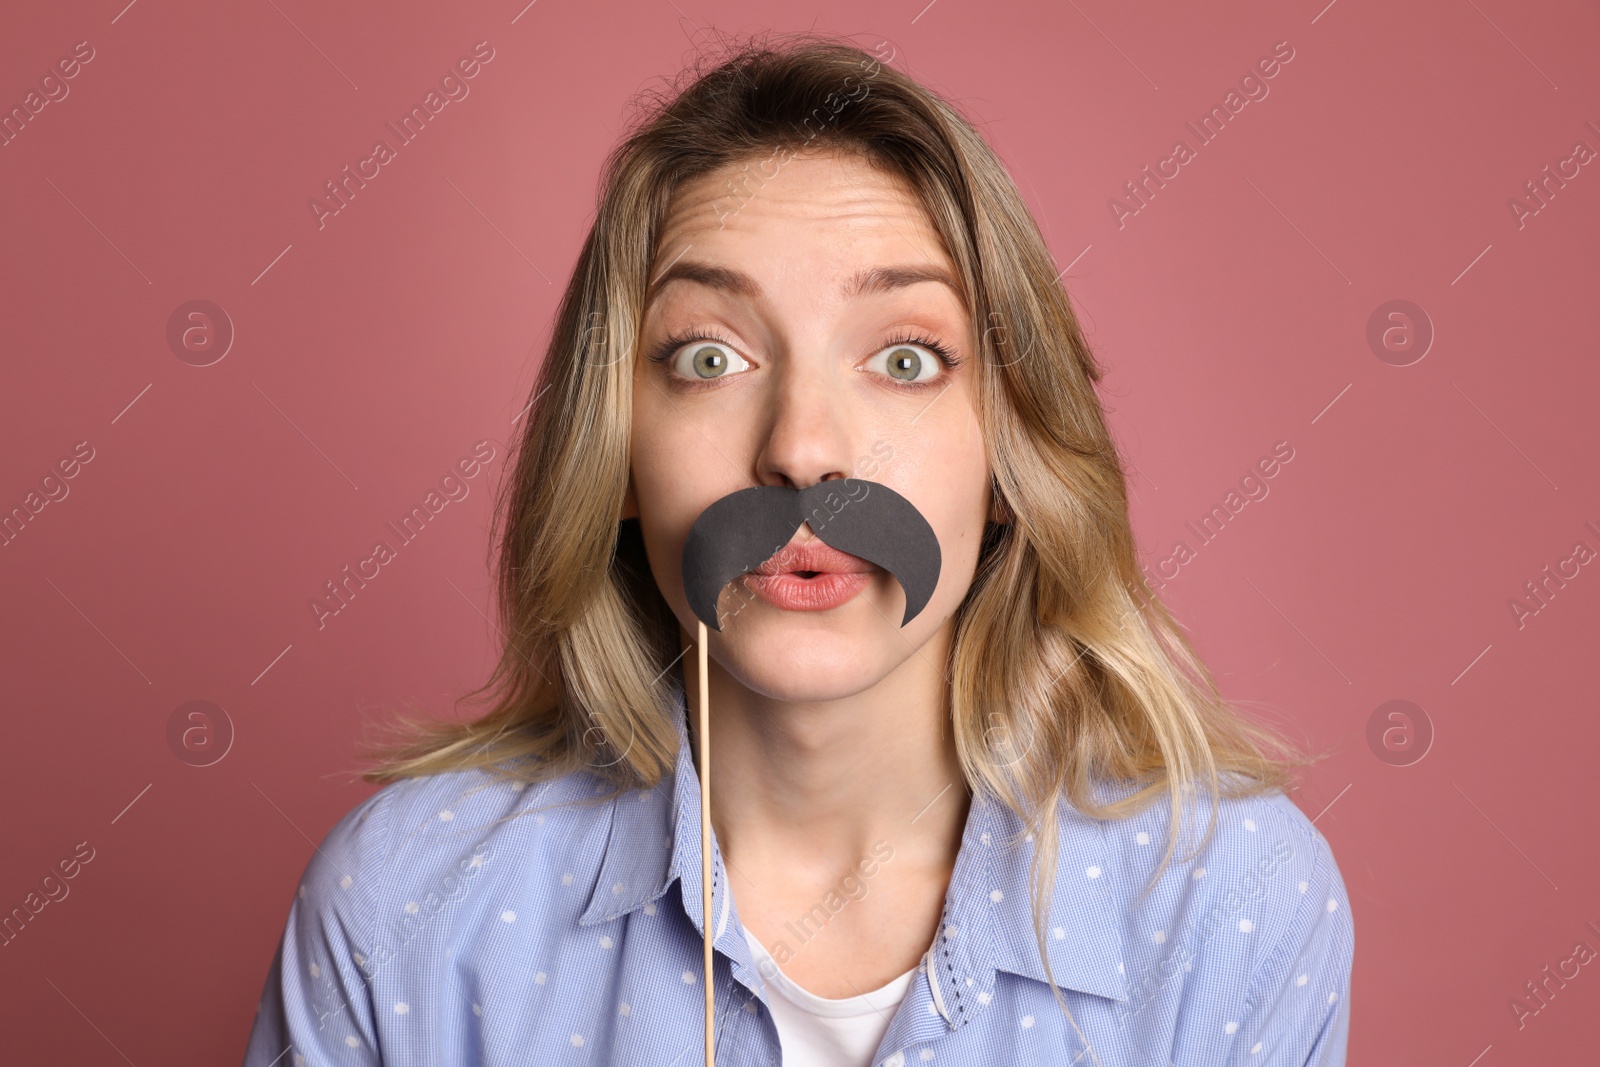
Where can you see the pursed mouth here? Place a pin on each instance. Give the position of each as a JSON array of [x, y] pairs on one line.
[[807, 560]]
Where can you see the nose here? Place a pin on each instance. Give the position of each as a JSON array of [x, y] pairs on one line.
[[808, 435]]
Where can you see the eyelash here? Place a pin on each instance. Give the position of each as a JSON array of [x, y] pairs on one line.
[[670, 345]]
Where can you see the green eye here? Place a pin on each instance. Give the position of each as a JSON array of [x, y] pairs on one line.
[[905, 364], [709, 361], [701, 361], [912, 364]]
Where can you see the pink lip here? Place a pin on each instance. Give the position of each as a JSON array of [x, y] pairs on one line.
[[815, 555], [789, 591], [809, 575]]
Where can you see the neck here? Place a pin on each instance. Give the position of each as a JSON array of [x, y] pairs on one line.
[[813, 787]]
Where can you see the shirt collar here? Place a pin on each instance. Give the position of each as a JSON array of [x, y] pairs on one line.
[[987, 924], [654, 839], [1083, 930]]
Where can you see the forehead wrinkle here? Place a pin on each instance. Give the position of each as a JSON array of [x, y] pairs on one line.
[[911, 205], [883, 198], [688, 201]]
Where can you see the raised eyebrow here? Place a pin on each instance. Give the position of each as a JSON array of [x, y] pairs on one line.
[[863, 282], [726, 279], [887, 279]]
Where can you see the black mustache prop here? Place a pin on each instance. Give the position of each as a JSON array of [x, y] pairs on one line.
[[741, 531]]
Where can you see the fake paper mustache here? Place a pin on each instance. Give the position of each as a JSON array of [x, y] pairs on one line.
[[741, 531]]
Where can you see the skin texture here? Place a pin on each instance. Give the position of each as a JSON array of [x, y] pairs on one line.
[[829, 729]]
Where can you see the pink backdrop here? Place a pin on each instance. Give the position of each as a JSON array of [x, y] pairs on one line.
[[1437, 463]]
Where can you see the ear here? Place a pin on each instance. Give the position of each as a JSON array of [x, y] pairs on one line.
[[630, 504]]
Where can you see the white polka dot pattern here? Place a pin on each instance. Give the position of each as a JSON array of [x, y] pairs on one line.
[[466, 918]]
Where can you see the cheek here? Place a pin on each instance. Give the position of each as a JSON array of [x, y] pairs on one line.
[[949, 476], [676, 473], [668, 449], [664, 485], [657, 449]]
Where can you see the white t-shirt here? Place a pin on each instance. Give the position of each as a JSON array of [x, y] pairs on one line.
[[814, 1031]]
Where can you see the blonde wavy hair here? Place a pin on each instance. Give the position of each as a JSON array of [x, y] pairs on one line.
[[1065, 672]]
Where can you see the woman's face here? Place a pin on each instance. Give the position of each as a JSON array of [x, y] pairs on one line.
[[790, 367]]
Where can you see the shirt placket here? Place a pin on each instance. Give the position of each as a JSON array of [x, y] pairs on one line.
[[959, 971], [744, 1038]]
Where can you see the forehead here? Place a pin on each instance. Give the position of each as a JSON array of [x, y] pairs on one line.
[[797, 223]]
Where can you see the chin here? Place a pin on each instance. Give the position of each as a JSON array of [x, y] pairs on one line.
[[812, 661]]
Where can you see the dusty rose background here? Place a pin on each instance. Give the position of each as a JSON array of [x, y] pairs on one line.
[[1439, 462]]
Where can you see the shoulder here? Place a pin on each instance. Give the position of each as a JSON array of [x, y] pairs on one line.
[[1257, 916], [1221, 840], [412, 874], [425, 839]]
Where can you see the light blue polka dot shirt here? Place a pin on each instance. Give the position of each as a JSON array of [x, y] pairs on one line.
[[458, 919]]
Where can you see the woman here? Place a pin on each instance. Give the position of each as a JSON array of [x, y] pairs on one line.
[[936, 838]]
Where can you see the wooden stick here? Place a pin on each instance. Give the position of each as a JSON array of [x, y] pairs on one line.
[[705, 842]]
